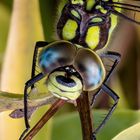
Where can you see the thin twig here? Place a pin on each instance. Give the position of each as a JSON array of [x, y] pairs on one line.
[[53, 109], [83, 106]]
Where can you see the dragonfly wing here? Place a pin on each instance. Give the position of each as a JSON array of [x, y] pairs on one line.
[[129, 10], [19, 113]]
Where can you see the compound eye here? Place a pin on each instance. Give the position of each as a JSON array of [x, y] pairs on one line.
[[57, 54], [91, 69]]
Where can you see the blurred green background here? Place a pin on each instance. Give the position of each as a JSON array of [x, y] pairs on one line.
[[20, 28]]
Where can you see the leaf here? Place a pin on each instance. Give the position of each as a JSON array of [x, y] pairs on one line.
[[4, 26], [131, 133], [68, 126]]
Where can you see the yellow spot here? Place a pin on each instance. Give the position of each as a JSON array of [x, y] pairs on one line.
[[117, 0], [93, 36], [75, 13], [90, 4], [114, 18], [69, 30], [98, 7], [77, 2], [102, 10], [96, 20], [114, 22]]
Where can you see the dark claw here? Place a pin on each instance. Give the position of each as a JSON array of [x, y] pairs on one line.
[[93, 136]]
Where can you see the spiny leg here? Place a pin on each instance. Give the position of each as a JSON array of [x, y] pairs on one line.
[[18, 113], [113, 55], [116, 56], [31, 83], [39, 44], [115, 97], [28, 84], [93, 137]]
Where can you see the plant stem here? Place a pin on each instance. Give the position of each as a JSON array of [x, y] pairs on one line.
[[53, 109], [83, 106]]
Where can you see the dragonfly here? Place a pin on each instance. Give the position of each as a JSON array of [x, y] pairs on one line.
[[84, 30]]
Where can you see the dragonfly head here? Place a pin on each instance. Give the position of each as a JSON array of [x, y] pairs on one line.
[[55, 60], [70, 70]]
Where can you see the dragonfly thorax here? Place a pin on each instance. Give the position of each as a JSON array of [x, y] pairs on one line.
[[83, 28]]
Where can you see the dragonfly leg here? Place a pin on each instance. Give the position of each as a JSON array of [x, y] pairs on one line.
[[28, 84], [115, 97], [93, 136], [116, 57], [31, 82], [39, 44]]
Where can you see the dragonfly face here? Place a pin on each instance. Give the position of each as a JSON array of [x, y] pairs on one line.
[[87, 23], [69, 71]]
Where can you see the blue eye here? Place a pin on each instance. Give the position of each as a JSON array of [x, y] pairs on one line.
[[90, 68], [56, 55]]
